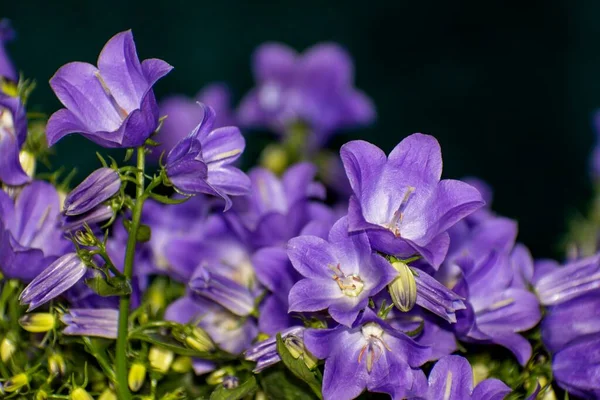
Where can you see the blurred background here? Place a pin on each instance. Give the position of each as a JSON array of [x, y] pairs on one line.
[[507, 87]]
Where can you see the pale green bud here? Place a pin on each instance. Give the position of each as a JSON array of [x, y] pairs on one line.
[[16, 382], [199, 340], [41, 395], [7, 349], [108, 394], [38, 322], [296, 348], [182, 364], [403, 289], [216, 377], [275, 158], [160, 359], [56, 364], [137, 376], [80, 394]]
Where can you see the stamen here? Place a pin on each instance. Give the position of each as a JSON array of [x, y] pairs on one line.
[[375, 345], [120, 110], [394, 224], [350, 285]]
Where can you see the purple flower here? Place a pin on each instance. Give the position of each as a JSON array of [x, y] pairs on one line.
[[30, 238], [401, 202], [201, 162], [100, 213], [100, 322], [452, 378], [112, 105], [98, 187], [183, 115], [314, 89], [265, 354], [13, 132], [576, 367], [53, 281], [438, 299], [369, 355], [7, 69], [340, 273]]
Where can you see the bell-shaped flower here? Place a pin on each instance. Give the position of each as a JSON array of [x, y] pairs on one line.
[[201, 162], [13, 132], [340, 274], [112, 105], [98, 322], [400, 200], [98, 187]]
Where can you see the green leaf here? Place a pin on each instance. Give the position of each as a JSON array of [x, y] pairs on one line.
[[144, 233], [128, 155], [113, 286], [298, 367], [168, 200], [245, 389], [278, 385]]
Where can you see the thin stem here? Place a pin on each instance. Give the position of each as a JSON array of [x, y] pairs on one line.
[[121, 356]]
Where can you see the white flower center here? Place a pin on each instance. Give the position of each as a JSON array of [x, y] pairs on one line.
[[374, 347], [350, 285]]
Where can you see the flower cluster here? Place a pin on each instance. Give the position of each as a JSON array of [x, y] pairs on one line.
[[195, 279]]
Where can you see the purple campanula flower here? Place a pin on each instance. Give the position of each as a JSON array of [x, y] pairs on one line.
[[437, 298], [112, 105], [314, 89], [576, 367], [183, 115], [401, 202], [7, 69], [98, 187], [369, 355], [99, 322], [340, 273], [13, 133], [201, 162], [30, 238], [265, 353], [452, 379], [53, 281], [100, 213]]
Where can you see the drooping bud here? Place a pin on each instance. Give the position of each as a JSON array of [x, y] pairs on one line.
[[7, 349], [38, 322], [80, 393], [56, 365], [98, 187], [108, 394], [137, 376], [403, 289], [182, 364], [160, 359], [16, 382], [96, 215]]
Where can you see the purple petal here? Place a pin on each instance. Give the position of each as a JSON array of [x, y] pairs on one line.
[[363, 163], [313, 294], [491, 389], [223, 145], [451, 376], [98, 187], [517, 344], [273, 61], [419, 157], [311, 256], [11, 140], [274, 270]]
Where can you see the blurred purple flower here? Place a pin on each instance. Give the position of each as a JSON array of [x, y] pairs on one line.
[[183, 115], [315, 89], [7, 69], [201, 162], [401, 202], [30, 238], [99, 322], [98, 187], [13, 133], [112, 105]]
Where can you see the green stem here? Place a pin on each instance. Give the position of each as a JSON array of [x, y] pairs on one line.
[[121, 356]]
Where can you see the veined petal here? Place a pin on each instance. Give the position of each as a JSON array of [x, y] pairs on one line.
[[98, 187]]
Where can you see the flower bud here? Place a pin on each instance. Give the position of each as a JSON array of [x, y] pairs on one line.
[[182, 364], [137, 376], [27, 161], [275, 158], [37, 322], [160, 359], [7, 349], [403, 289], [108, 394], [80, 393], [217, 376], [56, 365], [199, 340], [16, 382], [295, 346], [231, 382], [98, 187], [41, 395]]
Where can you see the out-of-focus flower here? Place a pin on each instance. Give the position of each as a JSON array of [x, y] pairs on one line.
[[183, 115], [112, 105], [16, 382], [98, 322], [30, 238], [340, 274], [13, 133], [369, 355], [201, 162], [80, 393], [7, 69], [400, 201], [315, 89], [98, 187], [576, 367], [53, 281]]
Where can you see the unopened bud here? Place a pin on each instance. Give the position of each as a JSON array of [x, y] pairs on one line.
[[41, 395], [7, 349], [137, 376], [217, 376], [80, 394], [16, 382], [160, 359], [108, 394], [182, 364], [37, 322], [199, 340], [295, 346], [403, 289], [56, 365], [27, 162], [231, 382], [275, 158]]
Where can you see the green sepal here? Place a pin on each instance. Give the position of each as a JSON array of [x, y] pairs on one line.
[[299, 368], [244, 389], [113, 286]]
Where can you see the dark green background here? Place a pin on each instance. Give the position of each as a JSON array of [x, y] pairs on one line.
[[508, 87]]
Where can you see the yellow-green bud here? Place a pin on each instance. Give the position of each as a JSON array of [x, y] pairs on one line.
[[16, 382], [160, 359], [37, 322], [275, 158], [216, 377], [199, 340], [56, 364], [137, 376], [80, 393], [182, 364], [296, 348], [41, 395], [7, 349], [260, 396], [27, 162], [108, 394], [403, 289]]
